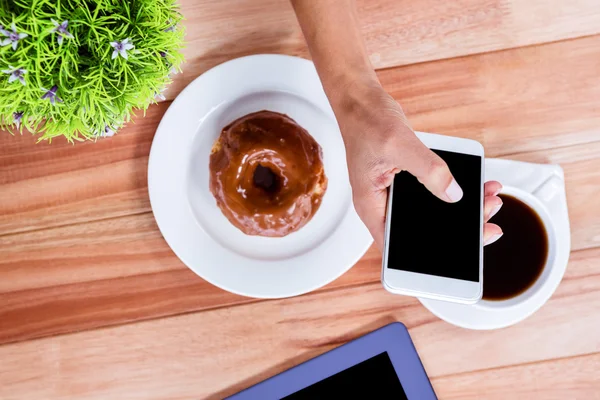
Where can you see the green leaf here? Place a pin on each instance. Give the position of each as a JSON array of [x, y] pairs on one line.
[[96, 90]]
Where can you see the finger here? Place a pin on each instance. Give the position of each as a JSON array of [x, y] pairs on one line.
[[431, 171], [492, 188], [491, 206], [372, 209], [491, 233]]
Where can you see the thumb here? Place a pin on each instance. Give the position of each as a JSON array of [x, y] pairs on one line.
[[432, 172]]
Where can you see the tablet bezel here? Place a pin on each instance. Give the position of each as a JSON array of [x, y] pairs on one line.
[[393, 339]]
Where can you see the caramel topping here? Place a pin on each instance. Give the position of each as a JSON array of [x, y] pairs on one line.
[[266, 173]]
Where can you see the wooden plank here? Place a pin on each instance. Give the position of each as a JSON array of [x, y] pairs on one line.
[[397, 32], [22, 157], [88, 291], [503, 99], [38, 302], [567, 378], [220, 351], [112, 271], [132, 245], [54, 186], [519, 100], [101, 250], [58, 183]]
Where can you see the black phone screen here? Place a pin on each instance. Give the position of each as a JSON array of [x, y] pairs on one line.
[[430, 236]]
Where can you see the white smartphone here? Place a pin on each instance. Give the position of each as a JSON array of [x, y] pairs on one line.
[[432, 248]]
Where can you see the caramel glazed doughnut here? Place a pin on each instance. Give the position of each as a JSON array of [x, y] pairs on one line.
[[266, 173]]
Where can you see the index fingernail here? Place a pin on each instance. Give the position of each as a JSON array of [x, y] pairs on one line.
[[454, 191]]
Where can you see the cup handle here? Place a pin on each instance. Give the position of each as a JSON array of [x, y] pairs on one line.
[[549, 189]]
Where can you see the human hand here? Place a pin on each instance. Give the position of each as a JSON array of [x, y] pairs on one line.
[[379, 144]]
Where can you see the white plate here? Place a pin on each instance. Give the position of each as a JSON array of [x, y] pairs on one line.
[[187, 214], [542, 187]]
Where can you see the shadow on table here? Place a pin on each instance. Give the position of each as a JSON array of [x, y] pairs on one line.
[[319, 349]]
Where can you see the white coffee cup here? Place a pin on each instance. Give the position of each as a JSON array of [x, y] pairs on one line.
[[546, 278], [548, 202]]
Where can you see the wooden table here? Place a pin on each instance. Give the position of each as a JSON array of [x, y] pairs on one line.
[[93, 303]]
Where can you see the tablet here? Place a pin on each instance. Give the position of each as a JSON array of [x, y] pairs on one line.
[[380, 365]]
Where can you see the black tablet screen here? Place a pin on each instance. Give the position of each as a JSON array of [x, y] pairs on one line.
[[374, 378]]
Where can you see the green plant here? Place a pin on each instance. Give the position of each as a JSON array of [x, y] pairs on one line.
[[78, 68]]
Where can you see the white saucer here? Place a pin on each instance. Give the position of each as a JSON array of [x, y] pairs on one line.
[[187, 214], [542, 187]]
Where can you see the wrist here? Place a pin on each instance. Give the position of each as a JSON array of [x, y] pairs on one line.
[[347, 88], [353, 97], [363, 108]]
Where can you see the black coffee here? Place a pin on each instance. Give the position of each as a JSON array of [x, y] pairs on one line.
[[516, 260]]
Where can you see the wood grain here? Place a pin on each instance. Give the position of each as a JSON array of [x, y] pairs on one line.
[[218, 352], [514, 101], [53, 184], [81, 250], [397, 32], [494, 98], [568, 378], [111, 271], [97, 294], [84, 270]]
